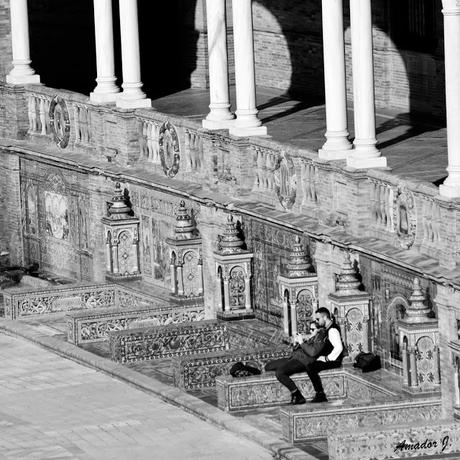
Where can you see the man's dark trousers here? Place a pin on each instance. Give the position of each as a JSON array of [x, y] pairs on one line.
[[284, 368], [315, 368]]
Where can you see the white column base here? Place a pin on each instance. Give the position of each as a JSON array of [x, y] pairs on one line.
[[336, 147], [133, 103], [334, 154], [241, 131], [359, 162], [449, 191], [103, 98], [218, 124], [33, 79]]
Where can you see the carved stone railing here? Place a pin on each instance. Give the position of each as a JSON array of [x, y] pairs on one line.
[[38, 114], [436, 439], [25, 303], [405, 213], [94, 326], [382, 206], [22, 303], [265, 390], [312, 422], [200, 371], [142, 344]]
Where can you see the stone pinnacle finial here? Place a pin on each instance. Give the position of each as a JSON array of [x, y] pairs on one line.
[[230, 242], [417, 312], [299, 264], [120, 208], [185, 227], [347, 282]]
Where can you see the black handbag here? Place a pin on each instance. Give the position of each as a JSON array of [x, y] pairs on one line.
[[367, 362], [240, 369]]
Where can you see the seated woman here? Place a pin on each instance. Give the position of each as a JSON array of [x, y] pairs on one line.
[[306, 350]]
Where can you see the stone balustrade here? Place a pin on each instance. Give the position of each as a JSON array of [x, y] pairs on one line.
[[437, 439], [95, 325], [22, 303], [319, 421], [200, 371], [404, 213], [141, 344], [236, 394]]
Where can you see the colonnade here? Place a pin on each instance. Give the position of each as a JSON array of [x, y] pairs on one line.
[[362, 153]]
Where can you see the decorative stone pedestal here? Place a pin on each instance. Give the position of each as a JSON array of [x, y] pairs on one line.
[[122, 239], [351, 307], [420, 339], [233, 267], [299, 291], [185, 255]]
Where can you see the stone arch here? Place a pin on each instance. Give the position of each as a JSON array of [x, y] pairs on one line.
[[396, 310]]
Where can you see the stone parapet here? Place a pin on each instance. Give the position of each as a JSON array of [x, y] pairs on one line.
[[200, 371], [236, 394], [440, 439], [159, 342], [319, 421], [94, 326], [402, 213]]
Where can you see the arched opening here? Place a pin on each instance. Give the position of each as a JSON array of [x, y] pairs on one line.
[[396, 311], [288, 318]]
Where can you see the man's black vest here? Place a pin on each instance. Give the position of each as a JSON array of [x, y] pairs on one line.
[[329, 347]]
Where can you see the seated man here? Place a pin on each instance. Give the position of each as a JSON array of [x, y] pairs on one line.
[[306, 350], [330, 357]]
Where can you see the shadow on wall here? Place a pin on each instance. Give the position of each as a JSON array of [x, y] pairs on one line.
[[408, 65], [289, 49], [63, 45]]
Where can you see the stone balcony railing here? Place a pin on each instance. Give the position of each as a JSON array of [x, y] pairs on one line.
[[404, 214]]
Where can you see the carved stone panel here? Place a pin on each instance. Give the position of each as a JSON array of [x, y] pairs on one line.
[[169, 149], [60, 121]]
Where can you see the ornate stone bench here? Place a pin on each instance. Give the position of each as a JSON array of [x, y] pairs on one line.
[[437, 439], [321, 420], [200, 371], [236, 394], [142, 344], [94, 325], [265, 390]]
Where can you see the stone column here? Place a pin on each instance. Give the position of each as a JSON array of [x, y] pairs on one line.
[[247, 292], [286, 316], [405, 364], [21, 73], [293, 319], [132, 96], [451, 186], [115, 258], [226, 294], [180, 280], [413, 368], [135, 267], [365, 153], [337, 145], [106, 89], [108, 260], [219, 116], [457, 385], [172, 269], [246, 123], [200, 276]]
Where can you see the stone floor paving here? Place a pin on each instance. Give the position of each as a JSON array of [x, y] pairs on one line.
[[53, 408]]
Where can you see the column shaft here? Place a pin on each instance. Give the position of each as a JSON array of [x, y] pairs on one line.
[[365, 153], [337, 145], [246, 123], [132, 95], [219, 116], [451, 186], [22, 73], [106, 89]]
